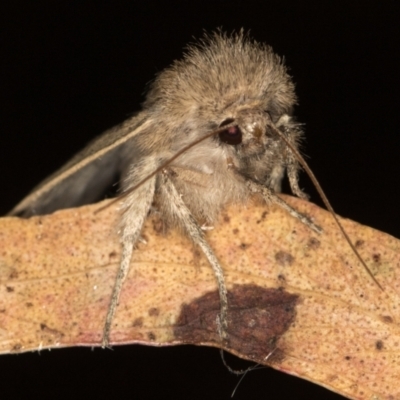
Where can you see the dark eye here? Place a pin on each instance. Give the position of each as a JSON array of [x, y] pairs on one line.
[[231, 135]]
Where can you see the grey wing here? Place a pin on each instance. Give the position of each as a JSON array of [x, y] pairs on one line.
[[87, 175]]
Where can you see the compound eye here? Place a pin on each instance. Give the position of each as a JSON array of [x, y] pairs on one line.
[[231, 135]]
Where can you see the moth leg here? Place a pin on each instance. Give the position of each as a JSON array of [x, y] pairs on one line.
[[293, 134], [270, 197], [292, 173], [185, 217], [135, 207]]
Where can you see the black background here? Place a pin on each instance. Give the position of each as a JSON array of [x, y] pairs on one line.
[[70, 70]]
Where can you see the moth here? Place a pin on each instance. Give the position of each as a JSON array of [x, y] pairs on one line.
[[216, 128]]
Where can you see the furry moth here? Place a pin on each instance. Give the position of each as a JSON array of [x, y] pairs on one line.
[[223, 109]]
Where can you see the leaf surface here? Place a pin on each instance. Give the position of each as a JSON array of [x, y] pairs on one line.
[[299, 301]]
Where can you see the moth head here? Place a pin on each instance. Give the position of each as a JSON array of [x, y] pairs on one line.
[[252, 133], [225, 80], [223, 74]]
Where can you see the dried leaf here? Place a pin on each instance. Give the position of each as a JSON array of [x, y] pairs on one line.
[[299, 301]]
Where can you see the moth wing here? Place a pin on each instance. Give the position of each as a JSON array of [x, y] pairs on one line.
[[87, 175]]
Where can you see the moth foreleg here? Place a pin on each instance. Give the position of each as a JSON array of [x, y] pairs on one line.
[[292, 173], [179, 210], [270, 197], [135, 207]]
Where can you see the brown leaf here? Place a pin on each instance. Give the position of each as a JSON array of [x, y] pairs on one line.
[[299, 301]]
